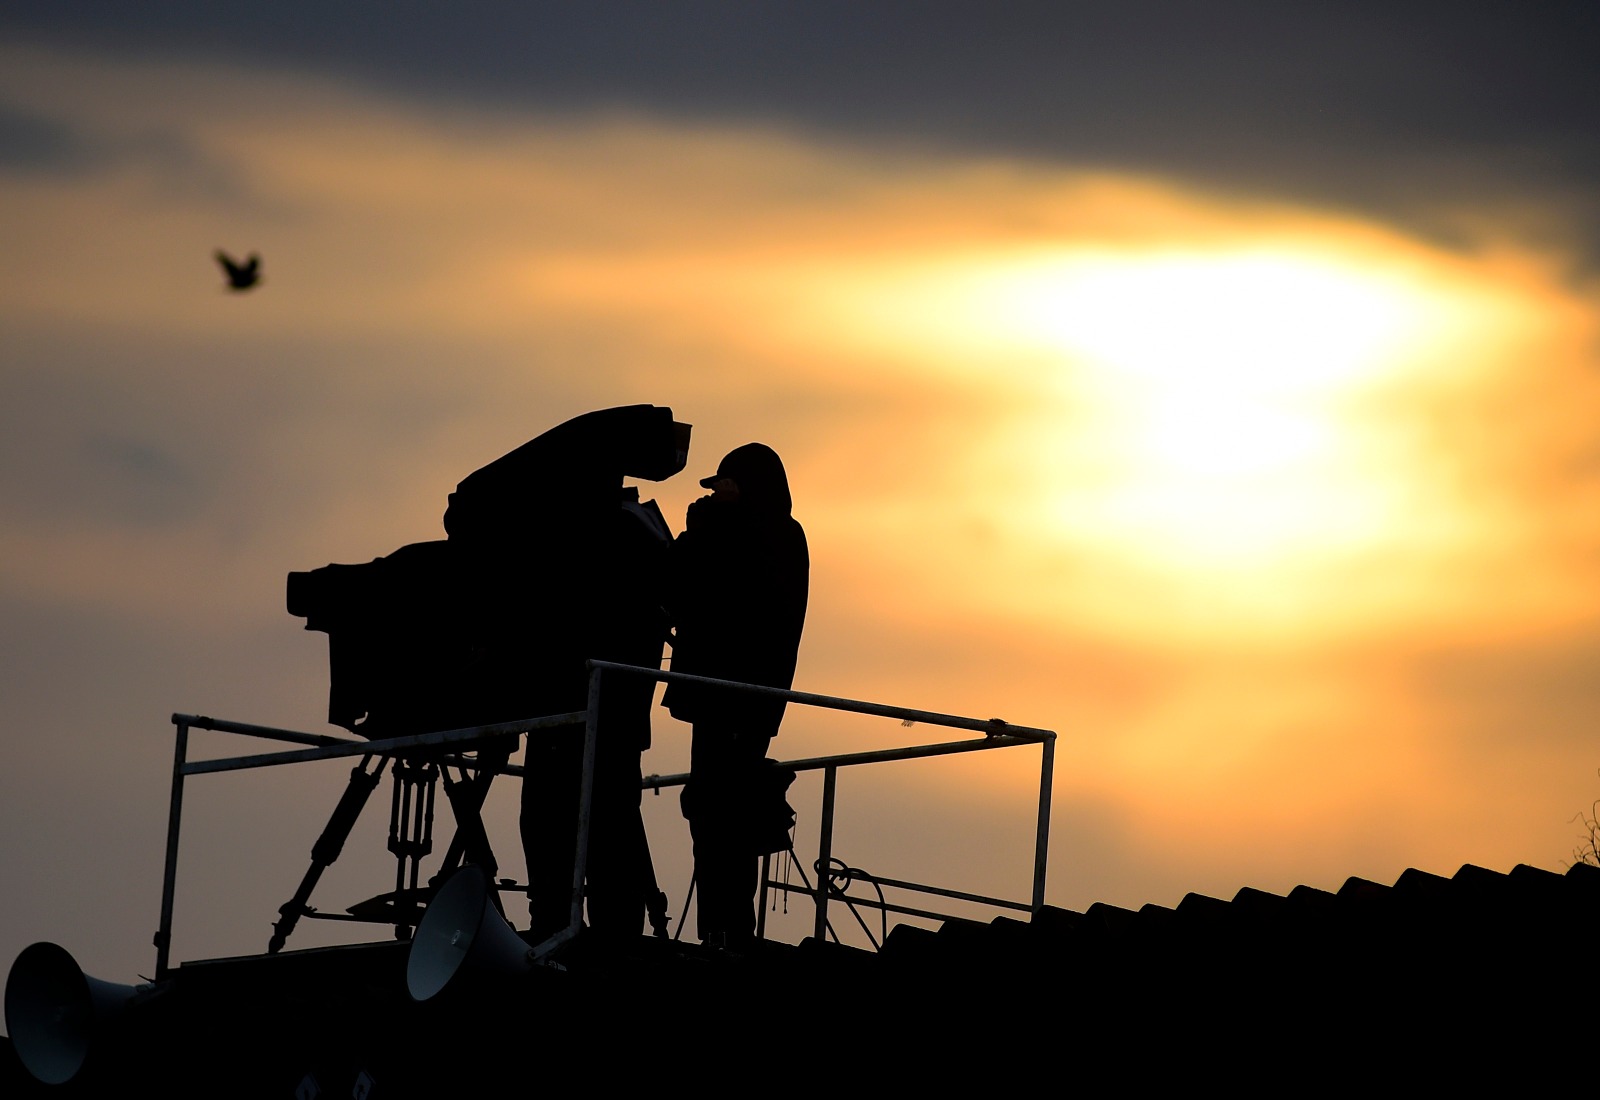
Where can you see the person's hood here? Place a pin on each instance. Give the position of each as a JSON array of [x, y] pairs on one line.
[[763, 484]]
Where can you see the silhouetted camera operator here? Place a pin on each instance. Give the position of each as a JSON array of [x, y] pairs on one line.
[[549, 562]]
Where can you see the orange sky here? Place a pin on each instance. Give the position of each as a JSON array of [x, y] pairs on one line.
[[1283, 517]]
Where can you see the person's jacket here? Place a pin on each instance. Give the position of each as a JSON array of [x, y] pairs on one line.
[[739, 578]]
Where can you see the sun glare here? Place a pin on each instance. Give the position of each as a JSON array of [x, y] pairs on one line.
[[1253, 322], [1222, 384], [1227, 428], [1211, 392]]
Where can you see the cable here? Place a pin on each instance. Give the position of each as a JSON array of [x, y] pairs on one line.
[[838, 871]]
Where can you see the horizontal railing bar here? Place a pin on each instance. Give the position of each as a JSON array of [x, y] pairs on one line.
[[911, 752], [919, 887], [836, 702], [388, 745], [923, 888], [201, 721], [874, 903], [872, 756], [223, 725]]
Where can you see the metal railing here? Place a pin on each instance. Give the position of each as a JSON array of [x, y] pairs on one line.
[[996, 734]]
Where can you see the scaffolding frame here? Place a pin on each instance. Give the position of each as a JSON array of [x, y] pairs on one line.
[[997, 734]]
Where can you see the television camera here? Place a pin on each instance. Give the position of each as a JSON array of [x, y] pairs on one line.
[[548, 561], [494, 622]]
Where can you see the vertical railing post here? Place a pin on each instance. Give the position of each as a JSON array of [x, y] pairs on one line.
[[761, 899], [1041, 844], [580, 860], [830, 781], [169, 879]]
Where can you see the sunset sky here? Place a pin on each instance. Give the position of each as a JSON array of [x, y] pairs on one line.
[[1217, 385]]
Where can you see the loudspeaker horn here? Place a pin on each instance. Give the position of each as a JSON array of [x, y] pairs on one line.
[[462, 933], [54, 1011]]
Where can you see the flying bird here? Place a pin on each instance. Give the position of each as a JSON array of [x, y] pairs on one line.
[[241, 276]]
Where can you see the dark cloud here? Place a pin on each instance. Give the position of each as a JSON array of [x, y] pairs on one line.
[[35, 144], [84, 443], [31, 144], [1402, 107], [141, 481]]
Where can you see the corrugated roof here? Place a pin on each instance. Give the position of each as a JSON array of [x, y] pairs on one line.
[[1427, 978], [1475, 965]]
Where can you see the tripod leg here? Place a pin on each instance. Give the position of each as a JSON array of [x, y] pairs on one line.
[[327, 847], [467, 796]]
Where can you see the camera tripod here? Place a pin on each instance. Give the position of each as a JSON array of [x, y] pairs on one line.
[[415, 779]]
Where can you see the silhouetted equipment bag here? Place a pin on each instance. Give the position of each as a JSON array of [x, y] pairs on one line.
[[495, 622]]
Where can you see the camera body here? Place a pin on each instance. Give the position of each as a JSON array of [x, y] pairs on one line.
[[548, 562]]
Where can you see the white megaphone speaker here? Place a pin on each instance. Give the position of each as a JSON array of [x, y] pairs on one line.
[[54, 1011], [461, 932]]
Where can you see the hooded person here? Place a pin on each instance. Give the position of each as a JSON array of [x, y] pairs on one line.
[[739, 578]]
